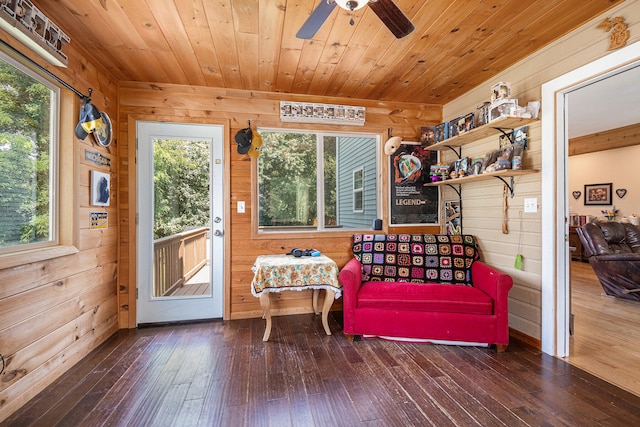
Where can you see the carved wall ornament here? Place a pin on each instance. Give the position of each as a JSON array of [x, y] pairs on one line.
[[619, 33]]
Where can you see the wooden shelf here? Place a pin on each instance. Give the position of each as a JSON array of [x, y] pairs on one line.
[[483, 176], [483, 131], [501, 175]]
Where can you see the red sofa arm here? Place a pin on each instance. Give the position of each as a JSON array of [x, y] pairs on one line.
[[494, 283], [351, 278]]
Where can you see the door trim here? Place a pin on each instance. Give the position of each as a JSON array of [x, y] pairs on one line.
[[555, 277], [127, 284]]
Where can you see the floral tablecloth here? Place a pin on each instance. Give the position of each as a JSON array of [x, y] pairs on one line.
[[275, 273]]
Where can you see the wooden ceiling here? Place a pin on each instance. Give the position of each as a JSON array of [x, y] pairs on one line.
[[251, 44]]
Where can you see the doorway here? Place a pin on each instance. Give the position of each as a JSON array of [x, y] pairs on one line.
[[555, 253], [180, 244]]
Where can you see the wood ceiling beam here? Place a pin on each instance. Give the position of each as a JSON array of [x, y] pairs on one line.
[[606, 140]]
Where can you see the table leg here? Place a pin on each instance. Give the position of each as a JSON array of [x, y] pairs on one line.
[[264, 303], [329, 296], [315, 301]]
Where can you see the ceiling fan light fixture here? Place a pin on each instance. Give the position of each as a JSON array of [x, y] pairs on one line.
[[352, 5]]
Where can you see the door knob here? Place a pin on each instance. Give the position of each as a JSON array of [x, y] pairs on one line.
[[217, 233]]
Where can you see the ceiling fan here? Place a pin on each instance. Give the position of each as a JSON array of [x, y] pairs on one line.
[[387, 11]]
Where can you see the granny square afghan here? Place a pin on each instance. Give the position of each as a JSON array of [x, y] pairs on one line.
[[416, 258]]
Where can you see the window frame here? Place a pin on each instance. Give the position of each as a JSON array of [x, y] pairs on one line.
[[62, 210], [358, 190], [319, 231]]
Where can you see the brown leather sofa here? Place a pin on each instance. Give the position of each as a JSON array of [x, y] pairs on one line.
[[613, 249]]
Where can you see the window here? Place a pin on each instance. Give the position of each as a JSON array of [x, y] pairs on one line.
[[28, 118], [306, 181], [358, 190]]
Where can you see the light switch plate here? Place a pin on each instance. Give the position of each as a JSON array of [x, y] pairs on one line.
[[240, 207], [531, 205]]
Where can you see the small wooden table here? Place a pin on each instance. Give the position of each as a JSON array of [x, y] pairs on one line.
[[277, 273]]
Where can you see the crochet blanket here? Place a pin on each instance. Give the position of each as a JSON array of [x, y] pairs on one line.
[[416, 258]]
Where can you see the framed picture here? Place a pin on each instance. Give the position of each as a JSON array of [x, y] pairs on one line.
[[597, 194], [100, 188], [452, 217]]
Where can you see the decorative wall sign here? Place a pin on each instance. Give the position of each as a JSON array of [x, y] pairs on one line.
[[597, 194], [411, 203], [305, 112], [104, 134], [619, 32], [98, 220], [97, 158], [100, 188], [621, 192], [576, 194]]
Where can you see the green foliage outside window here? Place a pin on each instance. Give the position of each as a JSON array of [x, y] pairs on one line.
[[25, 170], [287, 179], [181, 186], [288, 182]]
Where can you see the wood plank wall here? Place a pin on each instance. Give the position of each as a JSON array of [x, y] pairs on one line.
[[54, 312], [234, 108]]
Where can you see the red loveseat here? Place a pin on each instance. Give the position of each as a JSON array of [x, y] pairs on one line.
[[424, 286]]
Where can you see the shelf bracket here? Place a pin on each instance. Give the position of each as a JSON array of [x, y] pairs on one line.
[[458, 152], [457, 190], [509, 135], [509, 185]]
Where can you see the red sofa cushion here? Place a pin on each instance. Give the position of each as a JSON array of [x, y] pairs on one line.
[[424, 297]]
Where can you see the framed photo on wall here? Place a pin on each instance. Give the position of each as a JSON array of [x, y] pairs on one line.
[[597, 194], [100, 188]]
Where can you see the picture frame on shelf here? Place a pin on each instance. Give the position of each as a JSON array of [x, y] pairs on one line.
[[598, 194]]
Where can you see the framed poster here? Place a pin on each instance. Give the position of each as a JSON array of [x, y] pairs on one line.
[[597, 194], [410, 202], [100, 188]]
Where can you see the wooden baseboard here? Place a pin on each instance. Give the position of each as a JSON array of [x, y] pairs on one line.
[[525, 339]]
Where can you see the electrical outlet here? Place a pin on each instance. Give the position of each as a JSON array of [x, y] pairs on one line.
[[240, 207], [531, 205]]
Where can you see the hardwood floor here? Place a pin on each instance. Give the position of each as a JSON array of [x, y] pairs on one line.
[[222, 373], [606, 340]]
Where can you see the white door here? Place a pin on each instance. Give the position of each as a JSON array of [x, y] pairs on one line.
[[180, 236]]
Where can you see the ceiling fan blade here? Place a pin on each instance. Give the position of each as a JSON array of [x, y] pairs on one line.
[[392, 17], [316, 19]]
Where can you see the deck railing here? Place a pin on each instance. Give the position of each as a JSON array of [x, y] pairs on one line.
[[178, 257]]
